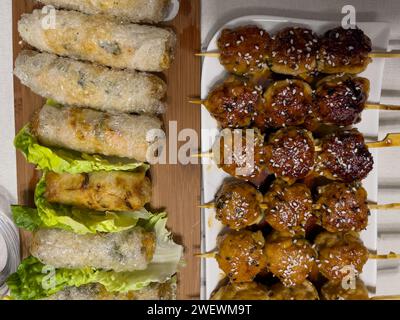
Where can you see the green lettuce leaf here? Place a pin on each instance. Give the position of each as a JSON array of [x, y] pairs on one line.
[[68, 161], [77, 220], [33, 280]]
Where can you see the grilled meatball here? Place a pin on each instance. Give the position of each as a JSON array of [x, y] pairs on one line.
[[287, 103], [343, 207], [245, 162], [291, 153], [241, 291], [244, 50], [335, 291], [234, 103], [303, 291], [339, 253], [291, 260], [289, 208], [294, 51], [340, 100], [344, 157], [241, 255], [344, 50], [238, 204]]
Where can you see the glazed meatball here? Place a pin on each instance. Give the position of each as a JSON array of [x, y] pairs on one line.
[[336, 291], [238, 204], [340, 100], [244, 50], [303, 291], [342, 207], [344, 50], [242, 291], [344, 157], [291, 153], [246, 162], [241, 255], [294, 51], [291, 260], [233, 103], [339, 254], [287, 103], [289, 207]]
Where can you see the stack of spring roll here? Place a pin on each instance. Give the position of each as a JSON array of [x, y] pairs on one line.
[[93, 239]]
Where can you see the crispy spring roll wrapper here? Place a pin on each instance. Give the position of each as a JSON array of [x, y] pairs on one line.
[[124, 251], [100, 39], [155, 291], [151, 11], [83, 84], [95, 132], [101, 191]]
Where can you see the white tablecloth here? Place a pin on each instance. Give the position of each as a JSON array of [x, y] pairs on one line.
[[217, 12]]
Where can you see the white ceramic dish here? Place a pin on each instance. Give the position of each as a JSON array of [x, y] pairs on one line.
[[213, 177]]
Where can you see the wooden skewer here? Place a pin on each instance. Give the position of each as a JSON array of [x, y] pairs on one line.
[[391, 140], [372, 206], [390, 256], [368, 106], [394, 297], [375, 106], [211, 205], [371, 55], [197, 101]]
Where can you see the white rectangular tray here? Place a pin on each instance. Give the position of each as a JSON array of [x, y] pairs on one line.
[[213, 177]]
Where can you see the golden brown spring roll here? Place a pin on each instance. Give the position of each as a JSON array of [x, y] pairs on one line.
[[100, 39], [101, 191], [124, 251], [95, 132], [84, 84], [151, 11], [155, 291]]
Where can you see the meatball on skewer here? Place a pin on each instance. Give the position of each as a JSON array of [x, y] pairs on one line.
[[303, 291], [241, 255], [238, 205], [342, 207], [242, 291], [291, 260], [288, 208], [294, 51], [245, 50]]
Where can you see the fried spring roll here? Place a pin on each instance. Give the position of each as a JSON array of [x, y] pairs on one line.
[[101, 191], [95, 132], [155, 291], [151, 11], [100, 39], [124, 251], [72, 82]]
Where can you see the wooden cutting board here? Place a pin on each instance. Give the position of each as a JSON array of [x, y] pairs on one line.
[[175, 187]]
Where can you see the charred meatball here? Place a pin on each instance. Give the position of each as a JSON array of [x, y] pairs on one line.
[[344, 50], [336, 291], [238, 204], [244, 50], [241, 255], [242, 291], [233, 103], [291, 260], [340, 100], [291, 153], [294, 51], [245, 161], [287, 103], [339, 254], [342, 207], [289, 207], [344, 157], [303, 291]]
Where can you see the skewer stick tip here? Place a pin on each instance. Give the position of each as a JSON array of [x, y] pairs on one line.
[[207, 206], [207, 54], [206, 255]]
